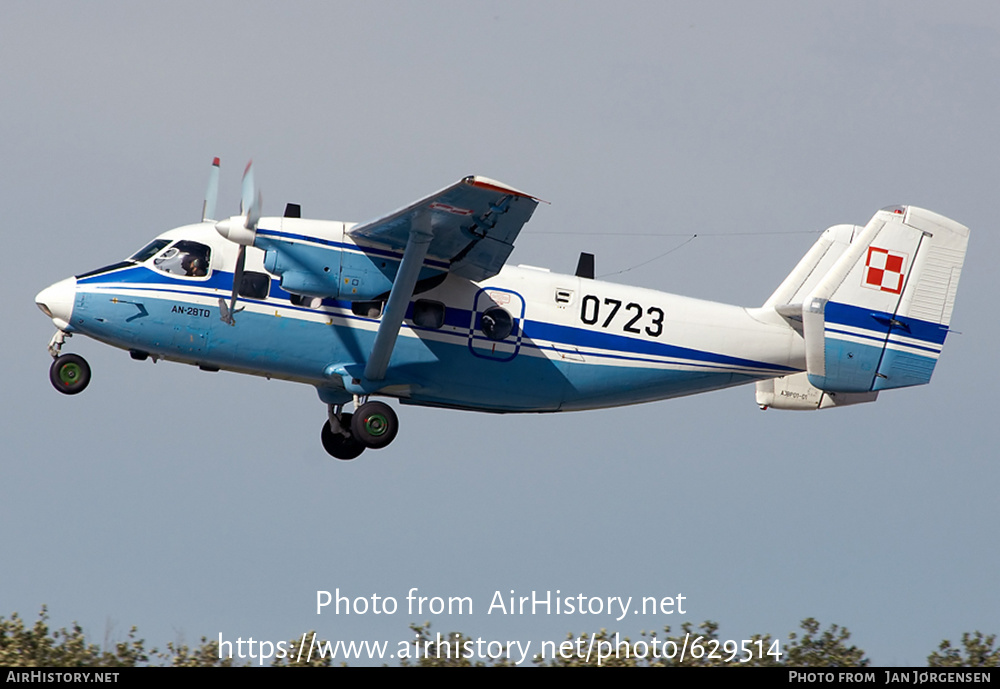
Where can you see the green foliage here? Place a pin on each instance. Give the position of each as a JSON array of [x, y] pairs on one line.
[[35, 646], [829, 649], [39, 646], [205, 655], [977, 651]]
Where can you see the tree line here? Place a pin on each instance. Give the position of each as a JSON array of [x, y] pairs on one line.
[[36, 645]]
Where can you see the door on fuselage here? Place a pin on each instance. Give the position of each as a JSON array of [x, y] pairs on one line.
[[495, 326]]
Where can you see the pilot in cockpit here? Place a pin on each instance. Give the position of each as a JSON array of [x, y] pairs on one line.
[[187, 258], [194, 266]]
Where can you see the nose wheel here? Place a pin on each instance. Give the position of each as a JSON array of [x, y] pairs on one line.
[[70, 374]]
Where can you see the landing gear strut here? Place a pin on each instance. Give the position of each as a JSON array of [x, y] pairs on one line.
[[372, 425]]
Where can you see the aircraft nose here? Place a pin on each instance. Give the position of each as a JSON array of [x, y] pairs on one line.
[[56, 301]]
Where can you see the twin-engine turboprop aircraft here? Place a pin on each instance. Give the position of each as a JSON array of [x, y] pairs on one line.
[[419, 305]]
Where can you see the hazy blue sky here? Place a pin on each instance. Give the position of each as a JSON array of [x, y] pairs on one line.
[[191, 504]]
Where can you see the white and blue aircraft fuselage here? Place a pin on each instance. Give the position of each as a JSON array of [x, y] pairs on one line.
[[420, 305]]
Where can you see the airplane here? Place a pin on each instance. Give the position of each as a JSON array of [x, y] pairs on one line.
[[420, 305]]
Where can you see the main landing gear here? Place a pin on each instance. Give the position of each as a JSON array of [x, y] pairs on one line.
[[69, 373], [372, 425]]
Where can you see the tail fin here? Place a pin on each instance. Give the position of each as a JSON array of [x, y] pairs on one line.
[[873, 304]]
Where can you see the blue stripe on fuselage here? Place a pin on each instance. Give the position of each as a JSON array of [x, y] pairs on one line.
[[581, 337], [619, 346], [146, 276]]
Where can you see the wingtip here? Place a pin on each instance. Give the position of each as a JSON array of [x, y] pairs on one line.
[[487, 183], [215, 161]]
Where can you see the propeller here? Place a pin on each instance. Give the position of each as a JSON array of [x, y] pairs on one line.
[[241, 229], [211, 193]]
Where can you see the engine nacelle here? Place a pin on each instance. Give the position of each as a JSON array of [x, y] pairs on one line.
[[318, 272]]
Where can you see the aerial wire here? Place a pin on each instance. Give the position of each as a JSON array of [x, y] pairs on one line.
[[655, 258], [689, 239]]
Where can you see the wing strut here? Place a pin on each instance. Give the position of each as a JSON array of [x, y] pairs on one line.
[[419, 240]]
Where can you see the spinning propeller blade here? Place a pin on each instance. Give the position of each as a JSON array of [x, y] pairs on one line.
[[241, 229], [211, 193], [231, 310], [247, 190]]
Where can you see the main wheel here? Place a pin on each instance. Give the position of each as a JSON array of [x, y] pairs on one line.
[[337, 444], [70, 374], [375, 424]]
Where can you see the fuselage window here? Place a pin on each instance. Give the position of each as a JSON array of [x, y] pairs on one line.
[[186, 258], [367, 309], [428, 314], [496, 323], [255, 285]]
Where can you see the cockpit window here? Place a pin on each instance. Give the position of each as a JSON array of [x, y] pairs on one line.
[[105, 269], [185, 258], [148, 251]]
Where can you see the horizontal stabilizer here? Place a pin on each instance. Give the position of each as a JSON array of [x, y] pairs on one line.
[[796, 393]]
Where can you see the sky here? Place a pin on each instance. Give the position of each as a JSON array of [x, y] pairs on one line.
[[192, 504]]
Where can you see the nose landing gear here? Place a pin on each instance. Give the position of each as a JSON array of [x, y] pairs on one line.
[[69, 373], [372, 425]]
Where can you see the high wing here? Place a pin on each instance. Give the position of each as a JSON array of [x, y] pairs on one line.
[[472, 225]]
